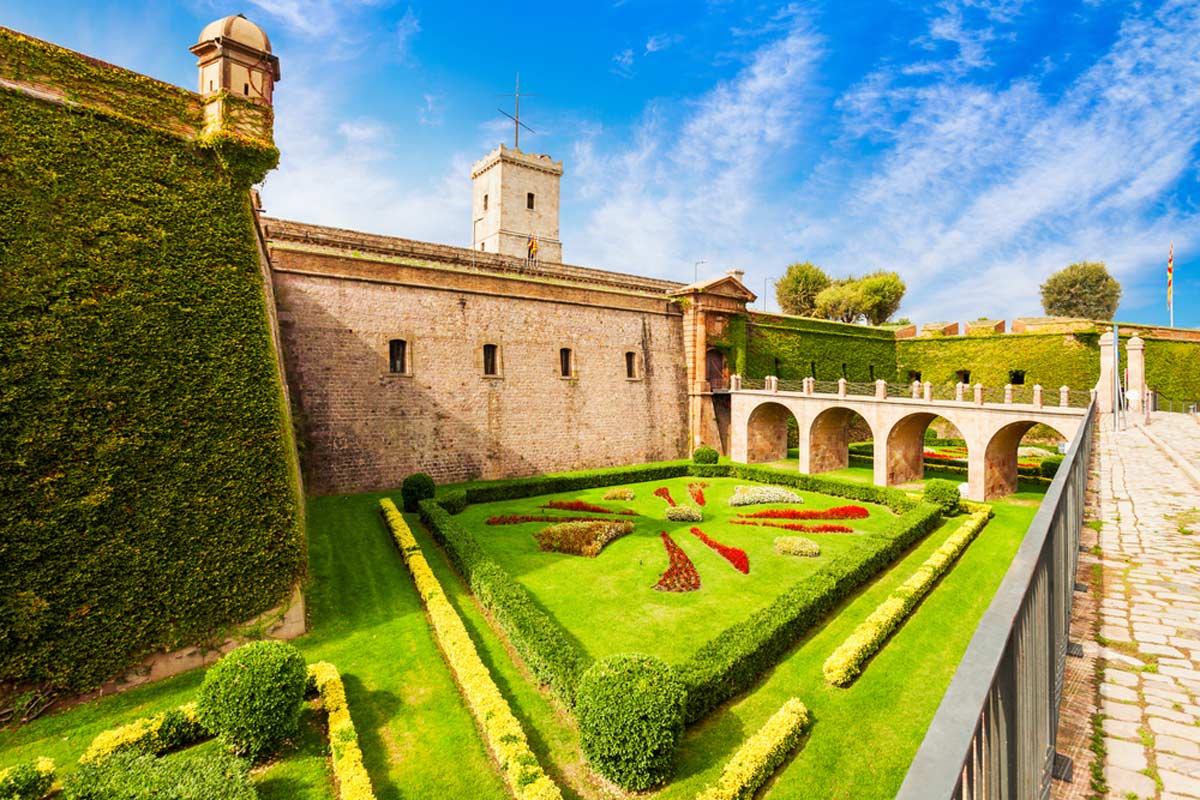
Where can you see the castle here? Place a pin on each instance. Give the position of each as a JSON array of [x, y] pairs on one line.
[[175, 358]]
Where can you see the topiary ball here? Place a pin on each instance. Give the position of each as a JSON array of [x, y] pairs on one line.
[[705, 455], [1049, 466], [944, 494], [416, 487], [251, 698], [630, 712]]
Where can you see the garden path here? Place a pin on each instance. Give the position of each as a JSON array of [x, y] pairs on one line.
[[1149, 504]]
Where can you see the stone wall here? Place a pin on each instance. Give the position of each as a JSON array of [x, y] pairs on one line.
[[365, 428]]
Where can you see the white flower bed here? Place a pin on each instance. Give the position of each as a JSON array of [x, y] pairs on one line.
[[796, 546], [684, 514], [756, 495]]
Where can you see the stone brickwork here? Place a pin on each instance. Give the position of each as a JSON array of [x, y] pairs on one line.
[[507, 178], [366, 428]]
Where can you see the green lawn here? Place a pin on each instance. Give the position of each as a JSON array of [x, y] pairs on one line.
[[420, 742], [609, 604]]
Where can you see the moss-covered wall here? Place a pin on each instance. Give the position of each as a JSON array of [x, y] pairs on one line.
[[146, 495], [816, 348]]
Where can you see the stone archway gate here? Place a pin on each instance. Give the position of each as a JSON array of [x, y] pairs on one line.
[[992, 430]]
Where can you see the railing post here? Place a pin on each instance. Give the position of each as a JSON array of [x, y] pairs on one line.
[[881, 390], [809, 386], [959, 390], [772, 383], [979, 394], [1008, 394], [1064, 396], [928, 392], [841, 387], [1037, 395], [916, 390], [735, 383]]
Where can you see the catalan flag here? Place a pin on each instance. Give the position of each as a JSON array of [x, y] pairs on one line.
[[531, 246]]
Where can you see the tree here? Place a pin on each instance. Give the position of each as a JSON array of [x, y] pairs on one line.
[[881, 295], [1084, 289], [796, 292], [843, 302]]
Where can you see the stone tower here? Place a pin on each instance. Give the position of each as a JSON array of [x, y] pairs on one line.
[[515, 195], [235, 57]]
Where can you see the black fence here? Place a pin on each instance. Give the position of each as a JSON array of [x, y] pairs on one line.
[[993, 735]]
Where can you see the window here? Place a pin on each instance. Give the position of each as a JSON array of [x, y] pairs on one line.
[[246, 89], [1016, 377], [964, 376], [483, 246], [914, 375], [398, 356], [812, 370], [631, 365], [485, 202], [872, 369], [529, 201], [843, 369], [566, 362], [491, 364], [776, 372]]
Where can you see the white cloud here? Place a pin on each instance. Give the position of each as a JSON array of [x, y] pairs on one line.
[[662, 41], [406, 29], [623, 63], [431, 112]]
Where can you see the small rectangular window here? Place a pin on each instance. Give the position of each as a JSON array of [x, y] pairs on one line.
[[914, 375], [872, 370], [631, 364], [490, 366], [1016, 377], [964, 376], [529, 201], [565, 365], [398, 356], [485, 202]]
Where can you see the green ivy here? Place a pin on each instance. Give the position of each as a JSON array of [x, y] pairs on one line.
[[803, 346], [1052, 360], [146, 492]]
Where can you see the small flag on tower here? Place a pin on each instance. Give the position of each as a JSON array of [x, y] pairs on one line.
[[531, 247], [1171, 283]]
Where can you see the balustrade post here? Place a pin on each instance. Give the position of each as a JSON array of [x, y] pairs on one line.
[[881, 390], [841, 387], [1064, 396], [772, 384], [1008, 394], [735, 383], [1037, 395], [916, 390], [928, 392], [959, 390], [979, 394], [806, 386]]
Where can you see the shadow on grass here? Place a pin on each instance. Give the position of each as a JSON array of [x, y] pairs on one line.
[[370, 710]]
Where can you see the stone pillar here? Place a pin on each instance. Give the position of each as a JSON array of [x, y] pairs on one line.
[[881, 390], [806, 386], [959, 391], [772, 383], [928, 392], [841, 387], [916, 390], [979, 394], [1037, 395], [1064, 396], [1008, 394], [735, 383], [1105, 385], [1135, 355]]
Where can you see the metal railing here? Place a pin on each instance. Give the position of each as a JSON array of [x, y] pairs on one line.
[[993, 735]]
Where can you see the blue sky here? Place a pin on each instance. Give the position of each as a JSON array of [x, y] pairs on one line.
[[974, 146]]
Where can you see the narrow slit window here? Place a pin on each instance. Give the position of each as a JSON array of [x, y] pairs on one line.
[[844, 369], [1016, 377], [529, 200], [631, 364], [872, 369], [490, 360], [914, 375], [485, 202], [398, 356], [812, 370], [964, 376], [246, 89], [565, 362]]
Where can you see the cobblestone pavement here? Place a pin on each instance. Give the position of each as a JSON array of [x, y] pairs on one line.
[[1149, 632]]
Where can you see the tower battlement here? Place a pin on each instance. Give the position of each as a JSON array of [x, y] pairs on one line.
[[515, 196]]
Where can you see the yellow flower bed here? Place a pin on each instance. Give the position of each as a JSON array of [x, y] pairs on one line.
[[27, 781], [352, 779], [761, 755], [166, 731], [846, 663], [501, 730]]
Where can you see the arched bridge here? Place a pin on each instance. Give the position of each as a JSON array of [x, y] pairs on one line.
[[992, 425]]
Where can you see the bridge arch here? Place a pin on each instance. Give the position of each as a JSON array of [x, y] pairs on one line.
[[905, 450], [766, 433], [1000, 457], [826, 446]]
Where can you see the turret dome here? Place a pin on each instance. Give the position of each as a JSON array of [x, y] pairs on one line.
[[238, 29]]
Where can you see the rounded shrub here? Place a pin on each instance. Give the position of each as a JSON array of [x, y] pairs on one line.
[[1050, 465], [416, 487], [251, 698], [705, 455], [630, 710], [943, 494]]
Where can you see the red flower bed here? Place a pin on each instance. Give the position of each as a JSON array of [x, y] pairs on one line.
[[665, 494], [696, 490], [838, 512], [681, 575], [796, 526], [734, 555], [577, 505], [517, 519]]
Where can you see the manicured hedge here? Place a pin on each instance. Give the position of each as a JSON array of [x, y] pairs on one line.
[[28, 781], [502, 732], [147, 492], [251, 698], [757, 759], [894, 499], [170, 730], [353, 782], [138, 776], [549, 651], [846, 663], [729, 663], [490, 491]]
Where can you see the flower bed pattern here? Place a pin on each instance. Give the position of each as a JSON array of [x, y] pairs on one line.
[[579, 505], [684, 514], [757, 495], [665, 494], [681, 575], [796, 546], [582, 538], [696, 490], [735, 556], [519, 519], [795, 526], [619, 494], [838, 512]]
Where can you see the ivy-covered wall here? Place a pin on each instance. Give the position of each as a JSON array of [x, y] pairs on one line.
[[1052, 360], [816, 348], [147, 497]]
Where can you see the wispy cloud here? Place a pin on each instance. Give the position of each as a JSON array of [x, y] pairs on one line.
[[407, 29], [662, 41], [431, 112], [622, 63]]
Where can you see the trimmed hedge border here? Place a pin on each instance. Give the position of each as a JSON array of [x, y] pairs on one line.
[[352, 779], [502, 732], [729, 663], [170, 730], [758, 758], [846, 663], [1031, 474], [549, 651]]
